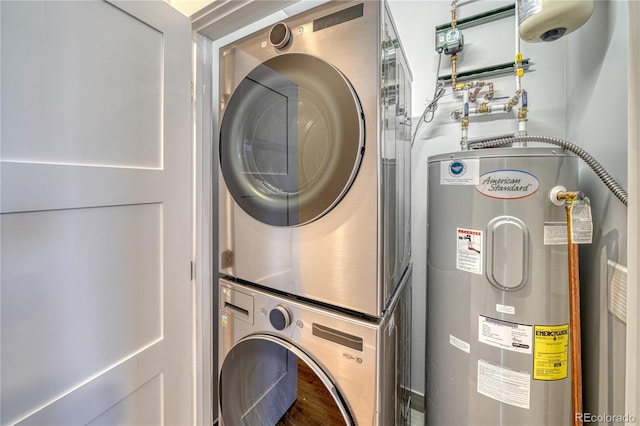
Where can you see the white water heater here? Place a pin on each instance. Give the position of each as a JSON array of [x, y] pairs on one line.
[[548, 20], [497, 288]]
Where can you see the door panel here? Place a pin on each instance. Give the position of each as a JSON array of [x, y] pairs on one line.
[[87, 72], [96, 203], [132, 407], [77, 301]]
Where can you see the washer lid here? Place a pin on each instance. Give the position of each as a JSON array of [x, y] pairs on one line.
[[291, 140]]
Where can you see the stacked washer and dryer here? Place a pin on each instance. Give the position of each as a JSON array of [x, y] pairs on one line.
[[314, 221]]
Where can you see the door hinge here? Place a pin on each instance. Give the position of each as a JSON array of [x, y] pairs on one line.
[[193, 270]]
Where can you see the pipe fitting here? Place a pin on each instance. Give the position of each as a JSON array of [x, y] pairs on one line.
[[474, 84], [553, 195], [463, 144], [454, 21], [522, 114], [489, 94], [474, 94], [560, 196], [568, 196], [454, 71], [483, 108]]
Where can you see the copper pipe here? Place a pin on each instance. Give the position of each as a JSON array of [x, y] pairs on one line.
[[474, 94], [574, 323], [454, 71], [489, 94], [453, 14]]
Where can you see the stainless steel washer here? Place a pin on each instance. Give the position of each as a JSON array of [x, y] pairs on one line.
[[272, 347], [314, 150]]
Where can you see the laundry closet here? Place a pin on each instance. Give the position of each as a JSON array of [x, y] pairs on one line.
[[319, 212]]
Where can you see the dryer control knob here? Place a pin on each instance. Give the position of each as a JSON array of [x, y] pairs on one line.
[[280, 317], [280, 35]]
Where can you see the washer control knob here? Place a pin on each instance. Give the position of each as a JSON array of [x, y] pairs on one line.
[[280, 35], [280, 317]]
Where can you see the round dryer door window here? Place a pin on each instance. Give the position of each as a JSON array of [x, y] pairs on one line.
[[291, 140], [267, 381]]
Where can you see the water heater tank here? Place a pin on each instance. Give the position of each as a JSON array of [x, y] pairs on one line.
[[548, 20], [497, 288]]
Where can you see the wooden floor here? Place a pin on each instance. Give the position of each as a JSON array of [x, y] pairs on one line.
[[314, 405]]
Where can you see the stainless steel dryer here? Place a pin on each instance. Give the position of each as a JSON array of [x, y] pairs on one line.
[[289, 362], [314, 150]]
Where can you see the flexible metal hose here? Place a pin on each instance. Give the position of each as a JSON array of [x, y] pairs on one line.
[[606, 178]]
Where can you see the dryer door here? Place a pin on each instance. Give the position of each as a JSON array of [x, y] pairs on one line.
[[291, 140], [265, 380]]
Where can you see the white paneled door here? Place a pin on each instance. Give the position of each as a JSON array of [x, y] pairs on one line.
[[96, 202]]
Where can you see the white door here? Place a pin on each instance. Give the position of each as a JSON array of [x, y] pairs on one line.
[[96, 203]]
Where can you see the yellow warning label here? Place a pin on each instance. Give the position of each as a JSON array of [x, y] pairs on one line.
[[551, 352]]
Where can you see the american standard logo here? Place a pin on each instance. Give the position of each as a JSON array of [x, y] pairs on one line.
[[508, 184]]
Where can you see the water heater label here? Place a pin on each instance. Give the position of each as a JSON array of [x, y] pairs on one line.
[[504, 385], [460, 172], [581, 223], [508, 184], [506, 335], [555, 233], [469, 246], [551, 352], [505, 309]]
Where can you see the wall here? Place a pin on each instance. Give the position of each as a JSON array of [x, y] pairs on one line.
[[596, 70], [570, 83], [632, 396]]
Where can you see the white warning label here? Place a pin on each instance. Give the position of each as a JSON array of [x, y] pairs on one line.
[[469, 246], [505, 309], [581, 223], [555, 233], [504, 385], [505, 334]]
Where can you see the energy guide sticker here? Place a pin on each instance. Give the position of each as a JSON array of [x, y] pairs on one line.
[[551, 352], [469, 250]]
